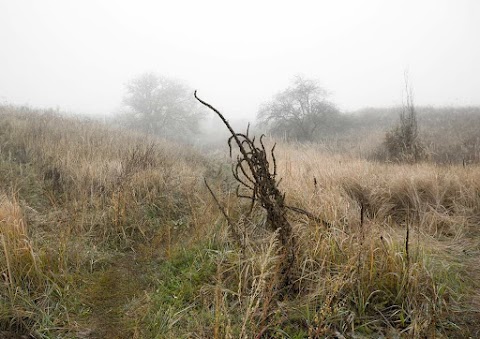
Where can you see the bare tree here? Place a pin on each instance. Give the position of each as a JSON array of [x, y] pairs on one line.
[[161, 106], [299, 112], [402, 143]]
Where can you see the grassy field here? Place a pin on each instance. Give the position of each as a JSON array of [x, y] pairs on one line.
[[109, 234]]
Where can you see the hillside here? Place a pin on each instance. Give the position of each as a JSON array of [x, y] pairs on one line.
[[111, 234]]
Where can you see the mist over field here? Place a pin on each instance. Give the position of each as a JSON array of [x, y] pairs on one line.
[[78, 56], [210, 169]]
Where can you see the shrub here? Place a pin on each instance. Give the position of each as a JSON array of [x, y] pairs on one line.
[[402, 143]]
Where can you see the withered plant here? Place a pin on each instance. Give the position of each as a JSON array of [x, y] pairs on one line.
[[257, 182], [403, 141]]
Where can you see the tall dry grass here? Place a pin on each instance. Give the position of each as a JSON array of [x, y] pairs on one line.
[[90, 196], [87, 211], [87, 168], [31, 290], [404, 268]]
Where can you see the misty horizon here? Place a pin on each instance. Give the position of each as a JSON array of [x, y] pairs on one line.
[[79, 56]]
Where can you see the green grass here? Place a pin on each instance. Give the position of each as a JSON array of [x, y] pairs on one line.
[[175, 303]]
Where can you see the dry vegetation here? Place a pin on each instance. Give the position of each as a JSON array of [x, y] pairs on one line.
[[449, 135], [106, 234]]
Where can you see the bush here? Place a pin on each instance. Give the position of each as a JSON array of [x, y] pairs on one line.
[[402, 143]]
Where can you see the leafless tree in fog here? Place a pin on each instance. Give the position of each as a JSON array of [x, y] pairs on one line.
[[299, 112], [161, 106]]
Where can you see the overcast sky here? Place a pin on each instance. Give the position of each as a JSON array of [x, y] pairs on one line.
[[78, 54]]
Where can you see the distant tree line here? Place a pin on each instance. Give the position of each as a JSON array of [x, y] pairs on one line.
[[165, 107], [302, 112]]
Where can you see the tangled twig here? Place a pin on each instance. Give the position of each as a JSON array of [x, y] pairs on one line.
[[257, 181]]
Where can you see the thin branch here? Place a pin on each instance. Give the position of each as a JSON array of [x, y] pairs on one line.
[[224, 212], [310, 216]]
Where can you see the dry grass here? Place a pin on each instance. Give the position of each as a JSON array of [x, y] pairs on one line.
[[363, 278], [90, 196], [30, 290], [87, 212]]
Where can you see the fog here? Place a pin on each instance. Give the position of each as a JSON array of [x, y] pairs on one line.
[[77, 55]]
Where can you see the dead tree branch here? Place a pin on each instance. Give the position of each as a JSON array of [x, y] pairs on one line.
[[257, 181]]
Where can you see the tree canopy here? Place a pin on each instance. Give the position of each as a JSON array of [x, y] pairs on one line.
[[161, 106], [300, 112]]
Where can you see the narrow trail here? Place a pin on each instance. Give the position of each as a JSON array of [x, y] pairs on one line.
[[108, 294]]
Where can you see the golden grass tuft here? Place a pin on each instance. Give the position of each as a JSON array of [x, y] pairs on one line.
[[29, 295], [19, 258]]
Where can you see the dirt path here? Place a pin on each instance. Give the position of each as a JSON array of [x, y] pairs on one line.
[[108, 294]]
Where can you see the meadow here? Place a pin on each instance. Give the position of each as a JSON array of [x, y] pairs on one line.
[[106, 233]]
